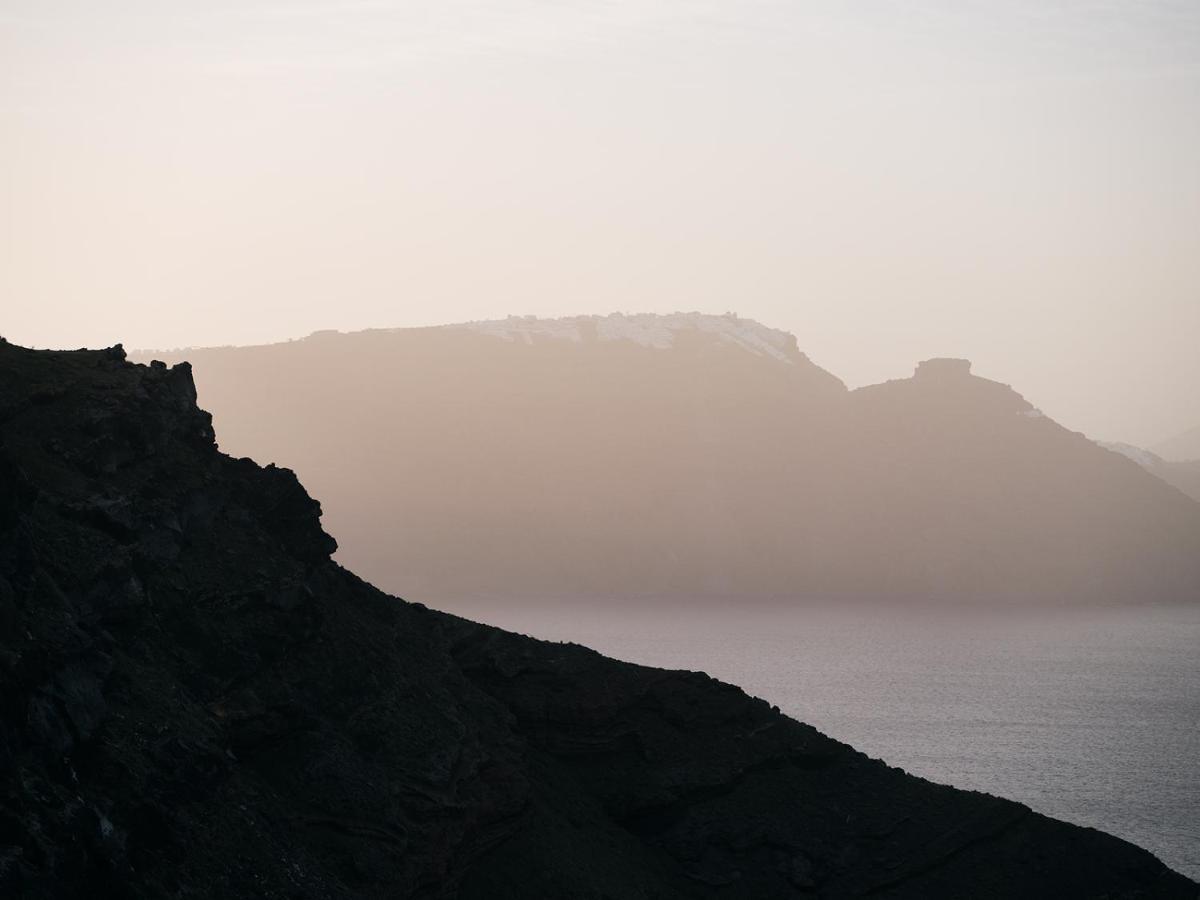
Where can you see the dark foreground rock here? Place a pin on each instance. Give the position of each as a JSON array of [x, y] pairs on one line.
[[196, 702]]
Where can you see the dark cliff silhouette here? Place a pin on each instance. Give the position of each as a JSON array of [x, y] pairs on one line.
[[691, 456], [196, 701]]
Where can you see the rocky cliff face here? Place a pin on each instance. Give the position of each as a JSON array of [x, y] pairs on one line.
[[691, 456], [196, 702]]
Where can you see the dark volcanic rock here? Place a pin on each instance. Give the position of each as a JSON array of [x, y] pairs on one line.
[[196, 702]]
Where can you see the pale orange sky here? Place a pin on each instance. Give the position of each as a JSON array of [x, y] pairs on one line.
[[1016, 181]]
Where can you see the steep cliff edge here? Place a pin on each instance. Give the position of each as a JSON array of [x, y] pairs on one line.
[[196, 702]]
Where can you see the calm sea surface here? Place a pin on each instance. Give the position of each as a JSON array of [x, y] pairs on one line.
[[1089, 717]]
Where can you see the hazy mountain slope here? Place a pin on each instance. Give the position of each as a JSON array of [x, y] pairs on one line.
[[1181, 474], [196, 702], [463, 463], [695, 456], [1184, 474], [974, 491], [1181, 447]]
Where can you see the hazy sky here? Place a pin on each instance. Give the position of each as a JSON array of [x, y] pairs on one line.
[[1015, 181]]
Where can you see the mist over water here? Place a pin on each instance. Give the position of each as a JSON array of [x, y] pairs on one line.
[[1088, 716]]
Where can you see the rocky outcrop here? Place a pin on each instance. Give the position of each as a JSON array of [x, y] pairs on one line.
[[688, 456], [195, 701], [943, 368]]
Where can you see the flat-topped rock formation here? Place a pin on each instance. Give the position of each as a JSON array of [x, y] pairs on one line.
[[943, 368], [646, 330]]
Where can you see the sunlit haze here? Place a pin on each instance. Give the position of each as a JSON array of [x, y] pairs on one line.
[[490, 449], [1014, 182]]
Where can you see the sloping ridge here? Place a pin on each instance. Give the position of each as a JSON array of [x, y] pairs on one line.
[[1181, 447], [196, 702], [981, 488], [1183, 475]]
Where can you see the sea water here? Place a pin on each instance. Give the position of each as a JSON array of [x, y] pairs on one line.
[[1091, 717]]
